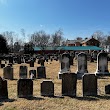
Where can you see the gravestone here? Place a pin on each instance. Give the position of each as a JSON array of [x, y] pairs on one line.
[[0, 61], [65, 65], [11, 60], [31, 63], [47, 88], [89, 85], [94, 55], [41, 72], [38, 61], [19, 60], [3, 89], [8, 72], [32, 74], [71, 60], [107, 89], [102, 64], [23, 72], [10, 64], [24, 88], [81, 65], [69, 81], [42, 62], [2, 65]]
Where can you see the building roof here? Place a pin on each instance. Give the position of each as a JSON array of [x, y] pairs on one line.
[[88, 40]]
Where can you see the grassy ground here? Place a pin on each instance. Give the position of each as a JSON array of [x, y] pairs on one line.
[[38, 102]]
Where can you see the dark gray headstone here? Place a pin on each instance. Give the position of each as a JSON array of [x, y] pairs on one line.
[[89, 85], [47, 88], [102, 64], [23, 72], [69, 81], [31, 63], [8, 72], [19, 60], [11, 60], [2, 65], [107, 89], [3, 89], [32, 74], [71, 60], [82, 65], [42, 62], [24, 88], [41, 72]]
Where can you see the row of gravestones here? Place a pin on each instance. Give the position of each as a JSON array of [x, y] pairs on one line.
[[69, 86], [102, 64], [30, 62], [23, 70]]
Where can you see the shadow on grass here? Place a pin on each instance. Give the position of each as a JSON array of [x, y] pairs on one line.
[[7, 100], [34, 98], [103, 77], [61, 97], [88, 98], [1, 104], [104, 97]]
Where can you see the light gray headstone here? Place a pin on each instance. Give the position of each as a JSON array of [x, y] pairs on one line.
[[65, 64], [102, 64], [81, 64]]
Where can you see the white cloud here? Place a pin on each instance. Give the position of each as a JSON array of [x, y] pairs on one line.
[[41, 25]]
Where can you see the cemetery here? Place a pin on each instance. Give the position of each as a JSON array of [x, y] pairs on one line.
[[60, 82]]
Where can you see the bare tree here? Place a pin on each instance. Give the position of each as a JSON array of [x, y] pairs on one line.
[[57, 38], [99, 35], [23, 33], [10, 38], [40, 38]]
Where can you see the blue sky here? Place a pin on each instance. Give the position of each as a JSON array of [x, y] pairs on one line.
[[77, 18]]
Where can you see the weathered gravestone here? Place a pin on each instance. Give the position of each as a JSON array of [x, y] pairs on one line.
[[102, 64], [24, 88], [8, 72], [82, 65], [23, 72], [65, 65], [31, 63], [94, 55], [107, 89], [32, 74], [3, 89], [47, 88], [89, 85], [41, 72], [69, 81]]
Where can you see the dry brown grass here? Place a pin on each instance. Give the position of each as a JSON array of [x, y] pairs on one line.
[[57, 103]]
